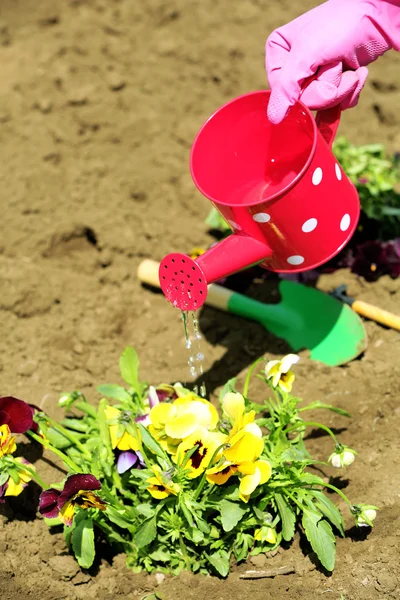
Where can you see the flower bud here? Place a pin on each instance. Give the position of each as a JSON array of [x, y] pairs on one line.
[[369, 514], [342, 457]]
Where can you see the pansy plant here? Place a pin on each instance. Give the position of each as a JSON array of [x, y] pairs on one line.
[[176, 483]]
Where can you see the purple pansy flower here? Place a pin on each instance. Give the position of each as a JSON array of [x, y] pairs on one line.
[[127, 460]]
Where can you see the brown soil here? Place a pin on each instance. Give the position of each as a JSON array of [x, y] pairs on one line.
[[100, 101]]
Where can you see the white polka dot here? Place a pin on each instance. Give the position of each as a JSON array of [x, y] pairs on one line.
[[234, 225], [345, 222], [262, 217], [309, 225], [295, 260], [317, 176], [338, 172]]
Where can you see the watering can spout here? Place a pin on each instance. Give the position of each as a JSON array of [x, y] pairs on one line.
[[184, 281]]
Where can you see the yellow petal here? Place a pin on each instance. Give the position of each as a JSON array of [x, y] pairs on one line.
[[67, 512], [158, 491], [220, 475], [200, 459], [253, 428], [161, 414], [286, 381], [288, 361], [257, 535], [127, 442], [111, 412], [265, 469], [271, 368], [247, 468], [233, 405], [206, 414], [182, 426], [14, 489], [248, 483], [276, 378], [245, 447], [249, 417], [7, 441]]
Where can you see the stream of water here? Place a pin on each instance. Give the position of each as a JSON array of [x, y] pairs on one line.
[[194, 347]]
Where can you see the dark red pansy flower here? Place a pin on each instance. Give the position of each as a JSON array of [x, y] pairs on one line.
[[374, 259], [77, 491], [17, 414]]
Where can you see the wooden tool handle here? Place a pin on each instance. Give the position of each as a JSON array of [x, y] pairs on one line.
[[217, 296], [376, 314]]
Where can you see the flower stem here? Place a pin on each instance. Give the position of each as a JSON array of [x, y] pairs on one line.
[[203, 479], [23, 468], [339, 493], [248, 376], [70, 436], [66, 459], [312, 424]]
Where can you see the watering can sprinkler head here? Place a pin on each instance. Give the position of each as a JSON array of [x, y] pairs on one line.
[[184, 281], [279, 187]]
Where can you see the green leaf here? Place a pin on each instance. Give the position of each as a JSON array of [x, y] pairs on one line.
[[56, 522], [160, 555], [194, 535], [56, 438], [129, 367], [145, 509], [311, 479], [220, 561], [231, 513], [117, 392], [329, 510], [83, 543], [150, 442], [287, 515], [117, 518], [79, 425], [186, 511], [320, 535], [146, 532]]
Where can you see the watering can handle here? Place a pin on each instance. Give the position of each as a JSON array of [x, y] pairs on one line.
[[328, 119], [328, 123]]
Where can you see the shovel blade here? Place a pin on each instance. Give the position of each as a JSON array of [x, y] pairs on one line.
[[331, 330]]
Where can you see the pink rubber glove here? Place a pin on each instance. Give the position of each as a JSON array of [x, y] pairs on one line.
[[338, 38]]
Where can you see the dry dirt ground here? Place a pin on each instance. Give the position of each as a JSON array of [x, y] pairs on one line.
[[99, 103]]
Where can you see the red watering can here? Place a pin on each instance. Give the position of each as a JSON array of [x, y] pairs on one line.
[[290, 205]]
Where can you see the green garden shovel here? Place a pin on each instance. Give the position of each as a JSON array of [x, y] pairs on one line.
[[305, 318]]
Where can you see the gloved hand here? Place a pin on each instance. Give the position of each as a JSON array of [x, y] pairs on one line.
[[338, 38]]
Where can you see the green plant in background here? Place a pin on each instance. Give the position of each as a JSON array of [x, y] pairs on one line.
[[175, 484], [375, 176]]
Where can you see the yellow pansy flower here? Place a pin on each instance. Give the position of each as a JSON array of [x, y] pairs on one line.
[[207, 443], [246, 446], [7, 441], [280, 373], [234, 408], [253, 474], [15, 489], [171, 423], [265, 534], [120, 438], [158, 487], [241, 458]]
